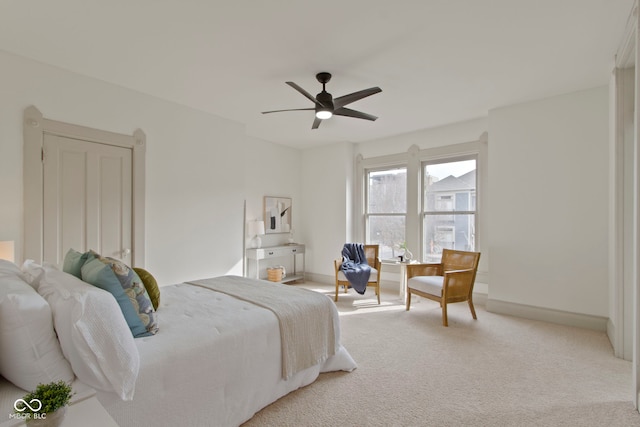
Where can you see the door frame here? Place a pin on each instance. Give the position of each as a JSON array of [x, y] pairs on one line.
[[34, 128], [623, 115]]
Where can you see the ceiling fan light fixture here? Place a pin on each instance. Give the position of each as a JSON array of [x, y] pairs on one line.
[[326, 107], [324, 114]]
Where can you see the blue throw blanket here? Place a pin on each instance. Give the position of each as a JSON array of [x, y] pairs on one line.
[[355, 266]]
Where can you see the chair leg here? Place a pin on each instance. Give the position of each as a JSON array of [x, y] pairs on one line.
[[378, 292], [337, 286], [473, 310], [408, 299], [445, 321]]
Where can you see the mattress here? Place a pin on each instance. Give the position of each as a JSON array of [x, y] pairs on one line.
[[216, 360]]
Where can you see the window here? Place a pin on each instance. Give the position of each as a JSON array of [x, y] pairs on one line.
[[386, 209], [449, 206], [423, 199]]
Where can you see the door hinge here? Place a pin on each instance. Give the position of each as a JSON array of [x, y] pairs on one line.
[[42, 154]]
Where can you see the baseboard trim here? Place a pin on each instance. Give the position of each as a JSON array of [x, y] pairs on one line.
[[479, 298], [320, 278], [560, 317], [331, 280]]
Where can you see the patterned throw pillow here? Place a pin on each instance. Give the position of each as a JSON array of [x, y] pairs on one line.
[[130, 283]]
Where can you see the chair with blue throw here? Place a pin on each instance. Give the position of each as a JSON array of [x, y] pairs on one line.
[[358, 268]]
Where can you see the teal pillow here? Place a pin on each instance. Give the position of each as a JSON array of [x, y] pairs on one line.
[[73, 262], [99, 274]]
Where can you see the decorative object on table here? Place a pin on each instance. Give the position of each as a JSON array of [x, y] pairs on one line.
[[256, 229], [406, 256], [276, 274], [7, 250], [277, 214], [291, 239], [46, 405]]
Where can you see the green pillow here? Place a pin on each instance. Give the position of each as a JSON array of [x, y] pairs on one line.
[[73, 262], [98, 272], [150, 285]]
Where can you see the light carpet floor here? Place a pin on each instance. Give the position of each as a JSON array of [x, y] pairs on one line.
[[495, 371]]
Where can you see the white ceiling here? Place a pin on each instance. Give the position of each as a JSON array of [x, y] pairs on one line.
[[437, 61]]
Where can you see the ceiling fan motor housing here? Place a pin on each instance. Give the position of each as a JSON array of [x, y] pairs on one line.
[[325, 101], [323, 77]]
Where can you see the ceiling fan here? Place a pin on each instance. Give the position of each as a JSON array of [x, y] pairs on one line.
[[326, 106]]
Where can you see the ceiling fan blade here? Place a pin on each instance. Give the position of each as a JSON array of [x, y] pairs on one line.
[[353, 113], [304, 92], [355, 96], [291, 109], [316, 123]]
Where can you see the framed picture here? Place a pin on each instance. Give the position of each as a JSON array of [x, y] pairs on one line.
[[277, 214]]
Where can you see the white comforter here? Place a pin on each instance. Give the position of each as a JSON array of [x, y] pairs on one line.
[[215, 362]]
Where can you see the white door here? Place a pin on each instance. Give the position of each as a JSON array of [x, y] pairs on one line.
[[87, 198]]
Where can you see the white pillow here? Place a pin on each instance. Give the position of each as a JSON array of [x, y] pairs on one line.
[[32, 273], [92, 331], [7, 268], [30, 353]]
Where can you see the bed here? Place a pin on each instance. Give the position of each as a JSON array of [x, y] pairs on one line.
[[217, 358]]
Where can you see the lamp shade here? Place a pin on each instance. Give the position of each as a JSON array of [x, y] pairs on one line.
[[256, 228], [7, 250]]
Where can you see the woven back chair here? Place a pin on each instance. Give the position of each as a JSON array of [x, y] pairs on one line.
[[451, 280]]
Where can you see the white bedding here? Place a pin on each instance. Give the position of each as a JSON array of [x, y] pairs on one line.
[[299, 312], [216, 361]]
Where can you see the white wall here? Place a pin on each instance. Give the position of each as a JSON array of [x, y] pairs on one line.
[[199, 166], [327, 186], [545, 243], [428, 138], [328, 168], [548, 184], [457, 133], [272, 170]]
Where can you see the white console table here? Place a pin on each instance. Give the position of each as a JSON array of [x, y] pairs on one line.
[[269, 253], [403, 279]]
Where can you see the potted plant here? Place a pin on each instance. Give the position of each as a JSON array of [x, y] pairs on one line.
[[46, 405]]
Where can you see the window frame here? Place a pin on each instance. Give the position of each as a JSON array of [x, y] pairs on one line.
[[366, 190], [413, 158], [424, 212]]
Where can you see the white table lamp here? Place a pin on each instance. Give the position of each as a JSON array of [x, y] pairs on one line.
[[7, 250], [256, 229]]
